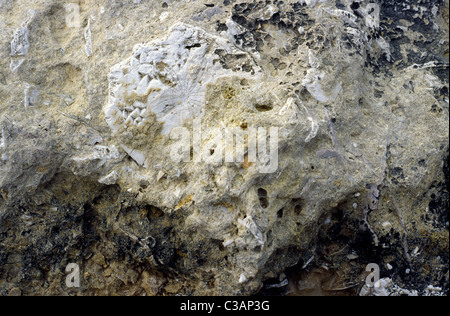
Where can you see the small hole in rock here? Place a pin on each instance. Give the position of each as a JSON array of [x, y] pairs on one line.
[[263, 201], [244, 82], [264, 107], [280, 213], [154, 212]]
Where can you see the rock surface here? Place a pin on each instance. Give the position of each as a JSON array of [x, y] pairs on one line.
[[95, 97]]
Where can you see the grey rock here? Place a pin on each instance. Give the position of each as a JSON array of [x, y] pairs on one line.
[[109, 146]]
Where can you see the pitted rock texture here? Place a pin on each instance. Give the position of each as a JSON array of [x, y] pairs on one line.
[[357, 91], [170, 78]]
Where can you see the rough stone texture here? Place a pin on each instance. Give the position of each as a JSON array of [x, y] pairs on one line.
[[357, 89]]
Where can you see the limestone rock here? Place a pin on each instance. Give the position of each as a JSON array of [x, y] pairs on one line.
[[210, 147]]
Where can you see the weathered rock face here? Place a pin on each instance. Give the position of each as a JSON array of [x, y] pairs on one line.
[[116, 151]]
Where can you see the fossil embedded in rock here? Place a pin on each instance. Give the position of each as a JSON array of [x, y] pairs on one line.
[[169, 77]]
